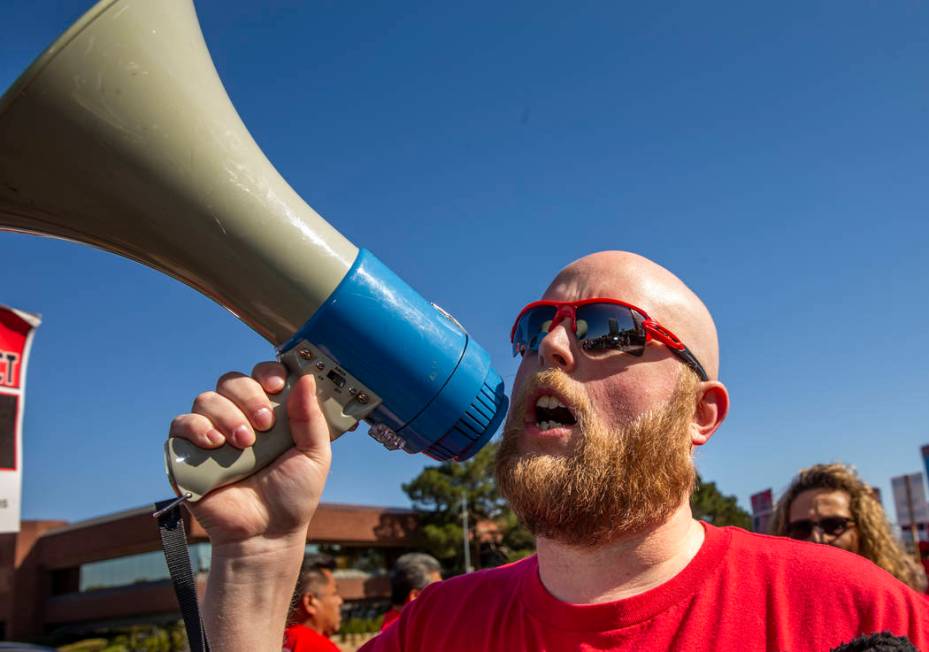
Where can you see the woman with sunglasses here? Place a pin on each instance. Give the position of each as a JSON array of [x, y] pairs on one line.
[[829, 503]]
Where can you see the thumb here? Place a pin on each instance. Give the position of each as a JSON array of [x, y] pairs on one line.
[[308, 426]]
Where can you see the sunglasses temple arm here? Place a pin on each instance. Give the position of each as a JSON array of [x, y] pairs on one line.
[[691, 361]]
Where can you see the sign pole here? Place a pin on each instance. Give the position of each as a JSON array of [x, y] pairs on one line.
[[909, 506]]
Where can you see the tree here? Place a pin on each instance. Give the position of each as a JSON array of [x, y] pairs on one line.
[[709, 504], [436, 494]]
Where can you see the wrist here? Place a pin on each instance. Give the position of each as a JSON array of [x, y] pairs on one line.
[[271, 550], [251, 581]]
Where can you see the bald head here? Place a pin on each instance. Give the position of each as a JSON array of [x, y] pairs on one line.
[[637, 280]]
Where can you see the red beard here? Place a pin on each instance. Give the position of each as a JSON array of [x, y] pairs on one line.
[[613, 481]]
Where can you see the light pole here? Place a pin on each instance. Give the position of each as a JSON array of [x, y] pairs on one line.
[[464, 528]]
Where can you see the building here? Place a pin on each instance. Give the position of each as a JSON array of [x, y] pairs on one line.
[[60, 577]]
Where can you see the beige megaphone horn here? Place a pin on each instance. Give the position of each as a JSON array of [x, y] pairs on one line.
[[121, 136]]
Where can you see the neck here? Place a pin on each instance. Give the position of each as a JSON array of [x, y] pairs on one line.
[[312, 624], [622, 568]]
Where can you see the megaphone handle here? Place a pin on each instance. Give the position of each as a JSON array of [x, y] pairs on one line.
[[343, 400]]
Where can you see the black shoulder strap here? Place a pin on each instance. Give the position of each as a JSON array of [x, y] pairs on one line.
[[174, 543]]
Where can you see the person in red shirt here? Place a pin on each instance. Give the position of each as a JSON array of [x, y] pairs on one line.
[[617, 386], [316, 608], [410, 574]]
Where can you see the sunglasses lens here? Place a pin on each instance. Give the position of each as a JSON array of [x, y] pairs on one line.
[[611, 327], [531, 328], [800, 530], [833, 526]]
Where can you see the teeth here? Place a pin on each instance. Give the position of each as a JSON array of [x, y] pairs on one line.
[[549, 402]]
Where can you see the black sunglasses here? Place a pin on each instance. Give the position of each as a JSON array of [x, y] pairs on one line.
[[834, 526]]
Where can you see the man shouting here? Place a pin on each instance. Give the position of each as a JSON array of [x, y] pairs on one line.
[[617, 385]]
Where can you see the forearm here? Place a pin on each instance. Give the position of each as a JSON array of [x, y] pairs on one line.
[[248, 593]]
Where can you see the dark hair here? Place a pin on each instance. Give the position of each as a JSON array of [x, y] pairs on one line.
[[311, 579], [413, 570], [882, 642]]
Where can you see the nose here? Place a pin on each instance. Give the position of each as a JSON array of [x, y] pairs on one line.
[[817, 535], [555, 348]]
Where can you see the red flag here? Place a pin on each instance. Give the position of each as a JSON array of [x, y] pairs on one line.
[[16, 330]]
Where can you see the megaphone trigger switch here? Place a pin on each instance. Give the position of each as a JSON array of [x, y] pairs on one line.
[[343, 399]]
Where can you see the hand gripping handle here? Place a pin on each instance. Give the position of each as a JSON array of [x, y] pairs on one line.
[[343, 400]]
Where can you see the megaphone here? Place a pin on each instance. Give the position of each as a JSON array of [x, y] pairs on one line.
[[120, 135]]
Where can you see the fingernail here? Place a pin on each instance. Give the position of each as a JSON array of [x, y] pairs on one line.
[[240, 436], [275, 384], [263, 418], [216, 437]]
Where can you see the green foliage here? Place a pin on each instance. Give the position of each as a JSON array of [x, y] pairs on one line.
[[87, 645], [356, 625], [436, 493], [709, 504], [518, 542], [134, 638]]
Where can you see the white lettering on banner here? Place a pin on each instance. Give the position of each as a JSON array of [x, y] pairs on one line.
[[8, 363]]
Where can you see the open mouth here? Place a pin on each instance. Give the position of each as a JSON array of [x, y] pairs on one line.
[[551, 413]]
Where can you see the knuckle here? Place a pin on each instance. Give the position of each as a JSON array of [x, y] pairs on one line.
[[228, 377], [268, 367], [178, 425], [204, 400]]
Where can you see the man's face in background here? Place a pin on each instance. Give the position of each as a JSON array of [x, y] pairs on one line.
[[327, 604]]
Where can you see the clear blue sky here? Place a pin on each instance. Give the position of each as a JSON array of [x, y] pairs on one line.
[[774, 157]]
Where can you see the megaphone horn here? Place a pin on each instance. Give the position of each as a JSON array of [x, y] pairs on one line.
[[120, 135]]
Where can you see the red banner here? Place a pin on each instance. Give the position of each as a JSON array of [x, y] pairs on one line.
[[16, 330]]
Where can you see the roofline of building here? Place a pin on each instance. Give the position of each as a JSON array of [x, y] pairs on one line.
[[136, 511]]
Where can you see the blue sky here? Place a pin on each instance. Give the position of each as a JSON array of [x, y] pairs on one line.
[[774, 157]]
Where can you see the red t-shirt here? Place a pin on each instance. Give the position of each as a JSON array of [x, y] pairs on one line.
[[391, 616], [741, 591], [300, 638]]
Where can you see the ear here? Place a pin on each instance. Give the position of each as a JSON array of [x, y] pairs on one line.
[[308, 602], [710, 411]]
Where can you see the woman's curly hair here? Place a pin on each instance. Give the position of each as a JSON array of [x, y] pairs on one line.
[[876, 542]]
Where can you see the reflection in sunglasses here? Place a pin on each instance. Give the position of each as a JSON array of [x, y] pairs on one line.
[[580, 331], [625, 340]]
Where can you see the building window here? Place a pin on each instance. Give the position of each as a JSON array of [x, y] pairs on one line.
[[132, 569]]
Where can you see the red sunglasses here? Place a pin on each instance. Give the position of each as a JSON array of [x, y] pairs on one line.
[[599, 324]]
